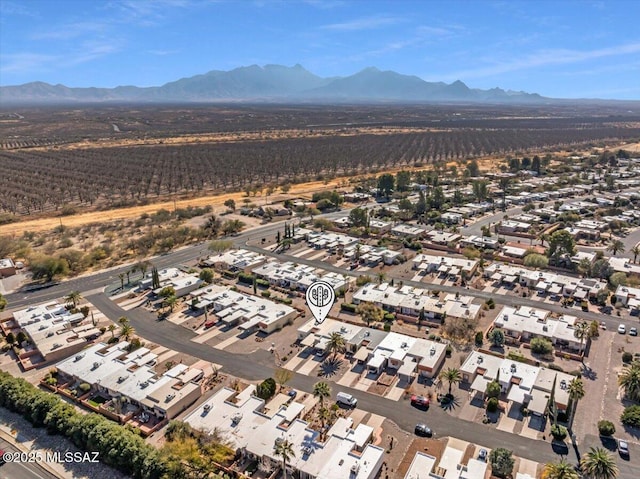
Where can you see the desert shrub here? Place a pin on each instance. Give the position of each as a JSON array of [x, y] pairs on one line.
[[627, 357], [631, 416], [558, 432], [606, 428], [541, 346]]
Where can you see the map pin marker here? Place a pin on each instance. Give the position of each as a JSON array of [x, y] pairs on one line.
[[320, 297]]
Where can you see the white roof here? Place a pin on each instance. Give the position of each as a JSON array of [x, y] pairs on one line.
[[421, 465]]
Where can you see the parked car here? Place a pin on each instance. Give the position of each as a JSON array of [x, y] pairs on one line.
[[420, 401], [423, 430], [209, 324], [622, 329], [482, 455], [603, 325], [633, 331], [623, 448]]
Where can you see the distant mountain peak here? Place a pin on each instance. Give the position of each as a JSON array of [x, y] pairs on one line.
[[272, 82]]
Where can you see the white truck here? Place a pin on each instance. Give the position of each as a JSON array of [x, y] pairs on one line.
[[346, 399]]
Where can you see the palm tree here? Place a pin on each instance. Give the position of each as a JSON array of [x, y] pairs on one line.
[[629, 379], [615, 247], [599, 464], [284, 449], [123, 320], [581, 331], [636, 252], [336, 344], [381, 277], [452, 376], [73, 297], [324, 414], [171, 302], [559, 470], [321, 390], [576, 392], [121, 276], [112, 328], [126, 331]]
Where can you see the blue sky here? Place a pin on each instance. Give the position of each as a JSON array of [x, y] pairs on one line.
[[564, 49]]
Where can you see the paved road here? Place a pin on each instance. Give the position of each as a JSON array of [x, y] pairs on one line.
[[16, 470], [260, 365]]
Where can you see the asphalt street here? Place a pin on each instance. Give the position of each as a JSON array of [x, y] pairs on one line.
[[19, 470], [260, 365]]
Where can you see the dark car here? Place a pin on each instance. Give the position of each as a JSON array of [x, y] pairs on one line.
[[633, 332], [623, 448], [423, 430], [420, 401]]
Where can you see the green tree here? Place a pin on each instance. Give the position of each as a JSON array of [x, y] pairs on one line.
[[452, 376], [48, 268], [231, 227], [502, 462], [480, 189], [615, 247], [618, 279], [370, 312], [599, 464], [336, 344], [207, 275], [636, 252], [358, 217], [496, 336], [403, 179], [167, 291], [111, 329], [561, 243], [321, 390], [155, 278], [266, 389], [535, 260], [493, 389], [473, 168], [559, 470], [283, 448], [231, 204], [11, 339], [606, 428], [3, 302], [386, 184], [73, 298], [541, 346], [170, 302], [220, 246], [629, 380]]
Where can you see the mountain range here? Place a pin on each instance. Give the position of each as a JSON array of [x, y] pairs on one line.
[[272, 83]]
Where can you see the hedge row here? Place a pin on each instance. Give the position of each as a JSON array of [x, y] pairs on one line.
[[118, 446]]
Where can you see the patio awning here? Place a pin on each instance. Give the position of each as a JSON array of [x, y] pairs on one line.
[[555, 289], [496, 276], [310, 340], [580, 294], [517, 394], [542, 285], [443, 269], [407, 368], [510, 279], [455, 271], [376, 361], [480, 384], [362, 354], [539, 401]]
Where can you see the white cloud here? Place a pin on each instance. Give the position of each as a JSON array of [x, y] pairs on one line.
[[364, 23], [544, 58]]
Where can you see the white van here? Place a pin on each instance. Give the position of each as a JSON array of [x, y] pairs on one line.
[[346, 399]]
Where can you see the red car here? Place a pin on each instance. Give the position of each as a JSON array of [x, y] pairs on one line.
[[421, 401]]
